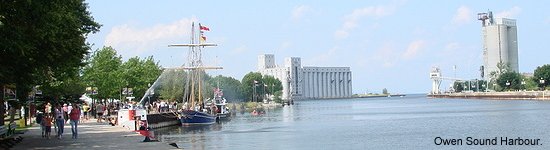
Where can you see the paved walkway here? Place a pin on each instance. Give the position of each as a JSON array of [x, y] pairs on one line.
[[91, 135]]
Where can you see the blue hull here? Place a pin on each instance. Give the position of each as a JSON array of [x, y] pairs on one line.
[[191, 117]]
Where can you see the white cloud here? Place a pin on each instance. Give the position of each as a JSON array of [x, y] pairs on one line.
[[323, 57], [133, 40], [284, 46], [385, 55], [351, 20], [511, 13], [452, 46], [241, 49], [414, 48], [463, 16], [300, 11]]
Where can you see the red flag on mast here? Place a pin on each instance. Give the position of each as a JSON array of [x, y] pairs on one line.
[[204, 28]]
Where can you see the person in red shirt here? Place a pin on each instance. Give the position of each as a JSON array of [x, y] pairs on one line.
[[47, 122], [74, 116]]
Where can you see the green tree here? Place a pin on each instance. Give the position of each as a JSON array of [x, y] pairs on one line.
[[501, 68], [103, 72], [530, 84], [172, 82], [385, 91], [138, 74], [277, 96], [231, 87], [458, 86], [41, 42], [249, 82], [71, 87], [542, 73], [509, 80], [272, 84], [481, 85]]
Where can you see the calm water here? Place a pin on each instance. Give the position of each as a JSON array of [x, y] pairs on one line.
[[410, 122]]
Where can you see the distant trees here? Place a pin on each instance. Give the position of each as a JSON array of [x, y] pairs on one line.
[[458, 86], [231, 87], [385, 91], [542, 73], [510, 80], [263, 85], [471, 85], [171, 86], [106, 71], [271, 84], [249, 82]]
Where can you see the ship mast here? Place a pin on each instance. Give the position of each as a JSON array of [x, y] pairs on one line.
[[195, 67]]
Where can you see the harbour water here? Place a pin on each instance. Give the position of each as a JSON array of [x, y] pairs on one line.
[[411, 122]]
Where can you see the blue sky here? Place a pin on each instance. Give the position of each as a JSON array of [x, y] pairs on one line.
[[387, 44]]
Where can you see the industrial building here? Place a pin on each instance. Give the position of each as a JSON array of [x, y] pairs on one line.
[[307, 82], [500, 43]]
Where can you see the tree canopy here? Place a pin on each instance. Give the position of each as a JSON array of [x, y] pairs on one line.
[[510, 80], [231, 87], [263, 84], [107, 72], [103, 72], [542, 73], [42, 42]]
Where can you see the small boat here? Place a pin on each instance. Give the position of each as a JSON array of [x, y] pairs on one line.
[[222, 112]]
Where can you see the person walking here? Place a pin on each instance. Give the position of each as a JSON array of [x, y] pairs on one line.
[[59, 120], [39, 118], [85, 109], [47, 122], [65, 111], [74, 117], [99, 111]]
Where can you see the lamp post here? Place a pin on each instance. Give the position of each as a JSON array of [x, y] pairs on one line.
[[477, 85], [541, 81], [508, 84], [523, 84], [148, 94], [254, 90], [93, 91]]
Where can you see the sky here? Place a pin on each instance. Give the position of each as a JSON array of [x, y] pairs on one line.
[[386, 44]]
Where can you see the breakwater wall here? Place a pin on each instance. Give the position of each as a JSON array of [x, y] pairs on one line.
[[511, 95]]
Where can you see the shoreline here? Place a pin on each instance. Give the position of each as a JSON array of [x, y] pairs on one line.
[[511, 95]]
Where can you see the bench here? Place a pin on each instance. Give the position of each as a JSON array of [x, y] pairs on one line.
[[8, 136]]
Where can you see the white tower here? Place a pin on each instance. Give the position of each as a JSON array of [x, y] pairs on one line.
[[266, 61], [435, 75], [294, 85], [500, 43]]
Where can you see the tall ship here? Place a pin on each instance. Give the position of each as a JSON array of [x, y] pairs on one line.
[[195, 111]]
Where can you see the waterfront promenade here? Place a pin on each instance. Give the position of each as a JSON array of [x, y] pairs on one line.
[[91, 135], [510, 95]]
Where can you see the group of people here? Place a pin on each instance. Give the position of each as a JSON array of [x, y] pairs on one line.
[[163, 106], [59, 115]]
